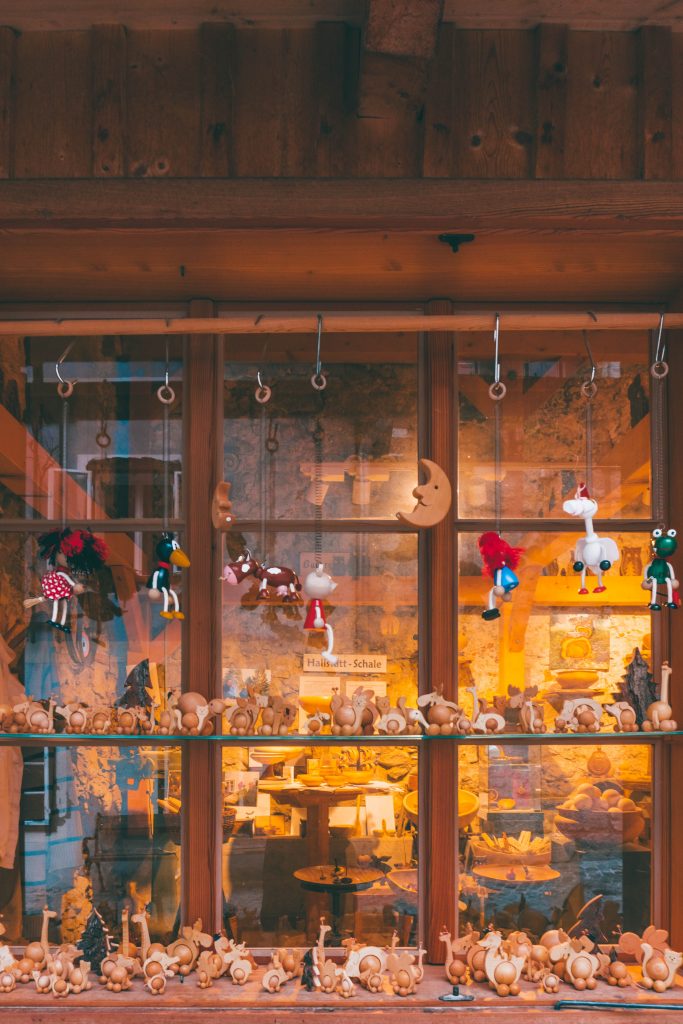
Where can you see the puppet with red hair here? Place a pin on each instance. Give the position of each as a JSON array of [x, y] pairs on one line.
[[500, 559], [67, 552]]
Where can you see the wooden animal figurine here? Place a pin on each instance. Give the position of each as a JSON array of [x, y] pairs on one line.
[[186, 949], [455, 968], [285, 581], [169, 554], [243, 715], [39, 952], [195, 713], [433, 498], [660, 711], [502, 970], [76, 717], [208, 968], [581, 965], [443, 716], [316, 722], [236, 958], [130, 721], [222, 515], [399, 720], [156, 969], [68, 553], [500, 559], [614, 971], [365, 964], [354, 715], [658, 962], [404, 974], [147, 947], [531, 712], [485, 719], [579, 715], [277, 717], [275, 975], [33, 716], [79, 980], [592, 552], [100, 719], [659, 572], [317, 586], [624, 716]]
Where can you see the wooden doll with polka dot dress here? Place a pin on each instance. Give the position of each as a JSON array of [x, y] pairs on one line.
[[69, 553]]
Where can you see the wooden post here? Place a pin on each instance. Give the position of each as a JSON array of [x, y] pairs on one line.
[[201, 775], [439, 762]]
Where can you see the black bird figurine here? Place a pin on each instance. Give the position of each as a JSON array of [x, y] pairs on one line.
[[169, 553]]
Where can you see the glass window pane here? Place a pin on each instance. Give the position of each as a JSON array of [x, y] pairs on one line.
[[92, 826], [362, 428], [557, 825], [108, 435], [543, 435], [114, 626], [297, 821], [373, 614], [568, 645]]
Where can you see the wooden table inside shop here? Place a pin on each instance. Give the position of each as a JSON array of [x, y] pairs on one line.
[[317, 801]]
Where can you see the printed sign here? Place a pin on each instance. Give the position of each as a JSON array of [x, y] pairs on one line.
[[371, 663]]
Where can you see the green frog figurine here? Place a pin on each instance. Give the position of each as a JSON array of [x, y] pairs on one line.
[[660, 572]]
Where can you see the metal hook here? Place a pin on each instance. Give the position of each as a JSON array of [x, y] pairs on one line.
[[319, 380], [497, 390], [589, 388], [263, 392], [660, 367], [165, 392], [65, 388]]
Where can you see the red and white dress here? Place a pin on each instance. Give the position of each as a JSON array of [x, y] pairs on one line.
[[57, 586]]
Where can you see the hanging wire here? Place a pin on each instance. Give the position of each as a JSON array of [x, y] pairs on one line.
[[65, 389], [318, 437], [497, 391], [166, 396], [658, 371], [319, 379], [263, 392], [589, 390], [660, 367]]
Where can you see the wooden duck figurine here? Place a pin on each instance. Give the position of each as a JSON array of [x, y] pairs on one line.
[[168, 554]]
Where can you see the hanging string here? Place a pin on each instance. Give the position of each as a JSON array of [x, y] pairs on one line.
[[497, 392], [319, 383], [65, 389], [658, 371], [166, 396], [589, 390]]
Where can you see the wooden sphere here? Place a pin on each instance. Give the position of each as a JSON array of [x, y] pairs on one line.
[[157, 985], [579, 984], [456, 970], [657, 969], [35, 952], [375, 982], [188, 702], [25, 966], [60, 986], [551, 938], [43, 984], [503, 990], [185, 969], [20, 718], [403, 979], [184, 952], [118, 974], [371, 962], [439, 714], [266, 730], [152, 968], [7, 981], [582, 967], [239, 975], [190, 720], [618, 970], [505, 973], [106, 967]]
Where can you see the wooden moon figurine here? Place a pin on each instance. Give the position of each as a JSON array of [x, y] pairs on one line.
[[221, 507], [433, 498]]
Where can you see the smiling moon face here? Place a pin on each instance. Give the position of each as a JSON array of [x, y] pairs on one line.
[[433, 498]]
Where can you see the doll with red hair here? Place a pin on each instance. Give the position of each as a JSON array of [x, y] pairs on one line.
[[500, 559], [67, 552]]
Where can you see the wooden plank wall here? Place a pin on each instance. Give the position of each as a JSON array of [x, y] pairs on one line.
[[226, 102]]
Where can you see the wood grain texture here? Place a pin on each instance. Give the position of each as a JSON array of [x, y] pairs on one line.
[[439, 763], [201, 775], [163, 104], [217, 57], [655, 103], [275, 104], [403, 27], [602, 110], [482, 125], [53, 106], [551, 100], [335, 50], [7, 82], [677, 105], [109, 101]]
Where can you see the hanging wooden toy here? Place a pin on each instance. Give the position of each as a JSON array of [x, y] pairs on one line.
[[284, 580], [69, 553], [317, 586], [169, 554], [500, 560], [592, 552], [659, 572]]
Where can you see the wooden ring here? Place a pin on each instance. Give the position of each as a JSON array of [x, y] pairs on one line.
[[497, 391], [659, 370], [319, 381], [65, 389], [103, 440], [262, 394], [589, 389], [166, 394]]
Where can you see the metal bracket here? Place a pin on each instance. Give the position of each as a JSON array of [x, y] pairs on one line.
[[456, 996], [455, 241]]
